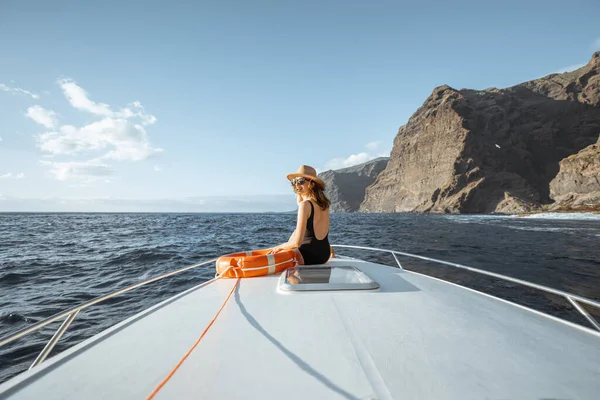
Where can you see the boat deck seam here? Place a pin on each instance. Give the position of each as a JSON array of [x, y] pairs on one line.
[[362, 355]]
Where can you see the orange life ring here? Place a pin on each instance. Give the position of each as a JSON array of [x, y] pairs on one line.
[[253, 263]]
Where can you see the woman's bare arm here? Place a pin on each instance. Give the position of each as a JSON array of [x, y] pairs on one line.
[[295, 239]]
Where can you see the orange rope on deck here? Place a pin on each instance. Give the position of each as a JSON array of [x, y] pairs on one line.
[[155, 391]]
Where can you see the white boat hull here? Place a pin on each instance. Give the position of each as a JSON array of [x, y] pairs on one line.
[[415, 337]]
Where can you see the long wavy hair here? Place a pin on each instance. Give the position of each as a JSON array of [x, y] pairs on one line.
[[317, 193]]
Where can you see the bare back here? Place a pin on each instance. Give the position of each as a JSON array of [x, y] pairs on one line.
[[320, 221]]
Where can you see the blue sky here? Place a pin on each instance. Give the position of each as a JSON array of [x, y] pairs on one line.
[[148, 105]]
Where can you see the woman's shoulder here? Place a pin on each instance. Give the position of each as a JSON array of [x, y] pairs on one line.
[[306, 204]]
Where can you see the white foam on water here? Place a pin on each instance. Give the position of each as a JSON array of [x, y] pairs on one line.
[[533, 222], [468, 218], [565, 216], [544, 229]]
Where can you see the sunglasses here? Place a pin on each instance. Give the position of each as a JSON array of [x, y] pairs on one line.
[[299, 181]]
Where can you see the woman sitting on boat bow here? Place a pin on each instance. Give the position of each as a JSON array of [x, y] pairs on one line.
[[310, 239]]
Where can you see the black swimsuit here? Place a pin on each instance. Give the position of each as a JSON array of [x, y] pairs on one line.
[[313, 250]]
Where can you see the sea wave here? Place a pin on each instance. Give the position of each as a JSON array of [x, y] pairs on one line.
[[574, 231], [563, 216]]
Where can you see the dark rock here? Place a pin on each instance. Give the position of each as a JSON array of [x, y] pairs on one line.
[[577, 185], [496, 150], [346, 187]]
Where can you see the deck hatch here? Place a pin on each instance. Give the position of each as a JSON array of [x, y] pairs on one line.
[[325, 278]]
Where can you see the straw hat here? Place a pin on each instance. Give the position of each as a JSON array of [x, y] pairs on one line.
[[307, 172]]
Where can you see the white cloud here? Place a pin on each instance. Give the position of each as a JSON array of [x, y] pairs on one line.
[[79, 99], [157, 168], [568, 69], [116, 135], [0, 138], [147, 119], [372, 145], [10, 175], [16, 90], [355, 159], [127, 141], [86, 171], [77, 96], [595, 46], [42, 116]]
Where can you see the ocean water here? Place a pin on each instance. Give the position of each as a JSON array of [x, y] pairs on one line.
[[51, 262]]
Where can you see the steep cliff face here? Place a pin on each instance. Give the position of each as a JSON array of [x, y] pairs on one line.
[[497, 150], [346, 187], [577, 185]]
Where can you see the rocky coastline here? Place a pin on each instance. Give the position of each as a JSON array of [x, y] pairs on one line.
[[530, 148]]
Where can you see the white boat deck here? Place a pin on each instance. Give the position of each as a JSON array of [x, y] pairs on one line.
[[414, 338]]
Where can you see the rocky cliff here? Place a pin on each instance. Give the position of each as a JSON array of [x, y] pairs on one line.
[[577, 185], [496, 150], [346, 187]]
